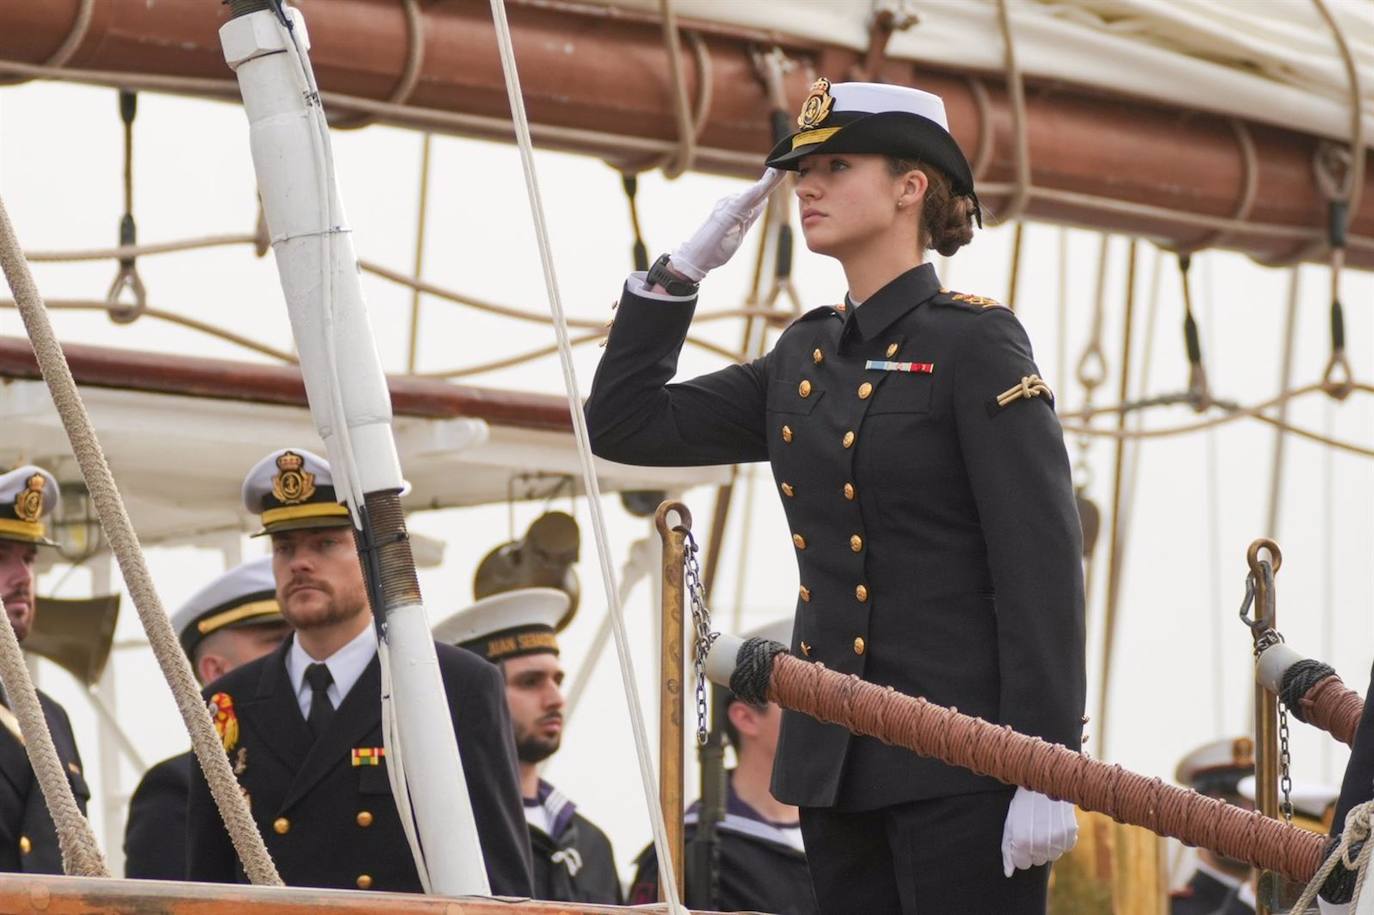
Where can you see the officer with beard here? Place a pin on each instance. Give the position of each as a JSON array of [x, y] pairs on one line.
[[516, 630], [28, 838]]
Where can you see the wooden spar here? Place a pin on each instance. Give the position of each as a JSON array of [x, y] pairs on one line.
[[36, 894], [602, 73], [672, 684], [222, 379]]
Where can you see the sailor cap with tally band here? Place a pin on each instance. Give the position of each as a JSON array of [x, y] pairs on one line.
[[246, 595], [878, 119], [508, 625], [293, 489], [27, 495]]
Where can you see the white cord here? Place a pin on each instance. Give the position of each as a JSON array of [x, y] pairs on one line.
[[667, 877], [353, 495]]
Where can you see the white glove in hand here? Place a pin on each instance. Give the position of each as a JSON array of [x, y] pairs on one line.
[[1333, 908], [1038, 831], [721, 234]]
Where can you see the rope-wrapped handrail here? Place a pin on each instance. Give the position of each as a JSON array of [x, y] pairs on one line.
[[1311, 690], [766, 671]]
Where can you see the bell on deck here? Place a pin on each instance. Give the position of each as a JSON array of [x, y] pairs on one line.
[[1090, 519], [543, 558]]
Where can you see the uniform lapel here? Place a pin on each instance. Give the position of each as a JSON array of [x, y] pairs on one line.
[[276, 714], [358, 715], [14, 763]]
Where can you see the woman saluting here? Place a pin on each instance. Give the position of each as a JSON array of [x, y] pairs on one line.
[[934, 522]]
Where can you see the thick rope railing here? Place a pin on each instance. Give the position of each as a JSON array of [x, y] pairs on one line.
[[1316, 695], [81, 855], [123, 541], [765, 671]]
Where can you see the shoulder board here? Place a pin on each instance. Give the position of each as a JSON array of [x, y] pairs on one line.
[[824, 311], [975, 303]]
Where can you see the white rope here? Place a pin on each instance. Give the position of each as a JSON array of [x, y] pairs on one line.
[[667, 877], [1357, 829]]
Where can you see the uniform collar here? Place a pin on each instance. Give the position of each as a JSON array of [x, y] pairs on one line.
[[557, 806], [879, 311], [345, 665]]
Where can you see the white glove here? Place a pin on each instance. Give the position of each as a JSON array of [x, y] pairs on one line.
[[1038, 831], [720, 236], [1333, 908]]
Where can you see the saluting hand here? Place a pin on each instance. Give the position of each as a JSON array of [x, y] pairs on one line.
[[720, 236], [1038, 830]]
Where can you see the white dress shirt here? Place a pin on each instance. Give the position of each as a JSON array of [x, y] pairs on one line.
[[345, 665]]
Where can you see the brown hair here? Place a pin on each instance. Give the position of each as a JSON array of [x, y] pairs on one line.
[[946, 219]]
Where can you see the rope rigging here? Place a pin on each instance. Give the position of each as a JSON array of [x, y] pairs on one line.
[[127, 279]]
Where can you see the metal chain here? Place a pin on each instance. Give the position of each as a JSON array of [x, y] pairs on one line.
[[1285, 777], [702, 636]]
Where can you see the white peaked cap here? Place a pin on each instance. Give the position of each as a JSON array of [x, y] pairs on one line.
[[877, 97], [244, 595]]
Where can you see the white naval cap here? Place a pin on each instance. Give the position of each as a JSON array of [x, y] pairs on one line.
[[27, 494], [509, 624], [291, 489], [1215, 767], [872, 98], [1313, 802], [246, 595]]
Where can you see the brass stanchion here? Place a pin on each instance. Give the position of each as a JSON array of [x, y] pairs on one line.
[[1264, 628], [671, 695]]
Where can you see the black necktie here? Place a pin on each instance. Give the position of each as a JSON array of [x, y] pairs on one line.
[[321, 709]]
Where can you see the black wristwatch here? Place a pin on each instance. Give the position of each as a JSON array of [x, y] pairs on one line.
[[660, 275]]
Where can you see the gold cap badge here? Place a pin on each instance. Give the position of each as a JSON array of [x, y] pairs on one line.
[[292, 485], [28, 505], [817, 106]]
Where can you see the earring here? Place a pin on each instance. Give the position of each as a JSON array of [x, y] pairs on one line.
[[899, 204]]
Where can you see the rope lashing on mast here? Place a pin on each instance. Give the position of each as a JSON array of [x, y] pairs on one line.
[[1199, 393], [667, 878], [127, 279], [763, 671], [1311, 689], [81, 855], [123, 541]]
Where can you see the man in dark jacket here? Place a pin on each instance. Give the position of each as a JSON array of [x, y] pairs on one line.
[[303, 725], [28, 838], [516, 631], [233, 620]]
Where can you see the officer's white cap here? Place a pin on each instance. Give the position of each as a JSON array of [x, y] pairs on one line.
[[873, 98], [292, 488], [246, 595], [27, 495]]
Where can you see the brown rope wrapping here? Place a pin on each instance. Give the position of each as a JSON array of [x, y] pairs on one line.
[[989, 749], [1333, 707]]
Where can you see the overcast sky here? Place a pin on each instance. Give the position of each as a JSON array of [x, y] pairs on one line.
[[1182, 662]]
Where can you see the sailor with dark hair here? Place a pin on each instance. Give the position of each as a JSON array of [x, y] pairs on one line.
[[1220, 886], [28, 838], [517, 631], [302, 726], [923, 474], [231, 621], [760, 856]]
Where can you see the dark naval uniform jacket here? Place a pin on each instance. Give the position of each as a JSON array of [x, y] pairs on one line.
[[325, 811], [573, 863], [155, 834], [1206, 895], [28, 837], [936, 534], [759, 871], [1357, 785]]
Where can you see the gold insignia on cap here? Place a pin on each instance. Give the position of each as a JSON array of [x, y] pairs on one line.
[[817, 106], [1243, 751], [28, 505], [292, 485]]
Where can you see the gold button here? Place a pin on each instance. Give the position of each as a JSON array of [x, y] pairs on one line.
[[849, 491], [787, 434], [858, 646], [856, 543], [806, 649], [364, 818], [891, 350], [861, 593], [364, 882], [805, 593], [25, 846], [799, 541], [281, 826], [849, 439], [804, 389], [788, 491], [865, 389], [817, 356]]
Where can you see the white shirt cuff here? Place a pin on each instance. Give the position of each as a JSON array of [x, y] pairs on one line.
[[635, 283]]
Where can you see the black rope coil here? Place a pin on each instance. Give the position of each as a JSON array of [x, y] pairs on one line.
[[1339, 886], [754, 669], [1298, 680]]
